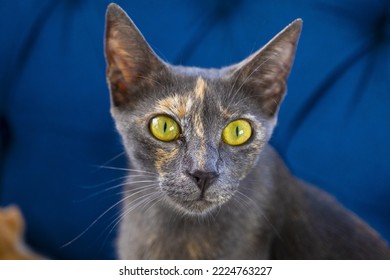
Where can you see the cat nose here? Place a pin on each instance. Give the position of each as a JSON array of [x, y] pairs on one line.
[[203, 179]]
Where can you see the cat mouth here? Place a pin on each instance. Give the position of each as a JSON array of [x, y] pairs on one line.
[[189, 199]]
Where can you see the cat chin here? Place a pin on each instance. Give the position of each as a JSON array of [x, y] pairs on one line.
[[195, 208]]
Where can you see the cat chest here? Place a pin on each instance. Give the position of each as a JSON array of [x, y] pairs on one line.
[[180, 246], [199, 245]]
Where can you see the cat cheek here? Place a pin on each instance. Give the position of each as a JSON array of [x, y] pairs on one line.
[[246, 164], [164, 159]]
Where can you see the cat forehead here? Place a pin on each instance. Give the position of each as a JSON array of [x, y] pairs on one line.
[[180, 101], [192, 100]]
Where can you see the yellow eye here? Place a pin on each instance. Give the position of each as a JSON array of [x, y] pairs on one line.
[[164, 128], [237, 132]]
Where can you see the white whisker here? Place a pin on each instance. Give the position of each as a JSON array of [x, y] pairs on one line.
[[138, 182], [127, 169], [151, 186], [114, 158], [101, 215], [103, 184], [157, 200], [142, 200], [94, 222], [118, 186]]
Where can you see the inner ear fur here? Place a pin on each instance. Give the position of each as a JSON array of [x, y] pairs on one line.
[[131, 63]]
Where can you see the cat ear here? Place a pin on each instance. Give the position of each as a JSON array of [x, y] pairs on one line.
[[131, 63], [264, 74]]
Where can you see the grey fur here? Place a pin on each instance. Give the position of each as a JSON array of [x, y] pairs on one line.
[[255, 209]]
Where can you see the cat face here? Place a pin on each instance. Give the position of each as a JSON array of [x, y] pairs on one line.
[[178, 131], [200, 130]]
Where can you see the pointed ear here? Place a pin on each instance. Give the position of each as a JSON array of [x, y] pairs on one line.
[[264, 74], [131, 63]]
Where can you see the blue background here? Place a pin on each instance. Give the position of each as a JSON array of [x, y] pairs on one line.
[[56, 130]]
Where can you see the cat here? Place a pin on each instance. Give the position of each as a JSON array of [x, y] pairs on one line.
[[12, 245], [205, 183]]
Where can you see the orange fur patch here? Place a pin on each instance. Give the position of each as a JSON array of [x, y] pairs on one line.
[[11, 236], [164, 157], [199, 130], [200, 89], [177, 105]]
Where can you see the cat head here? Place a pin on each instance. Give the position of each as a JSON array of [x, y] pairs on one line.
[[200, 130]]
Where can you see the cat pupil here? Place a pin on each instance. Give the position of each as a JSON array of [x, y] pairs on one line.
[[165, 126], [237, 131]]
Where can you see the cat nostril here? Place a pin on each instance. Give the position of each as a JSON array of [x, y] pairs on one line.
[[197, 178], [203, 179]]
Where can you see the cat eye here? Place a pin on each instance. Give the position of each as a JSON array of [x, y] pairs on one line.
[[237, 132], [164, 128]]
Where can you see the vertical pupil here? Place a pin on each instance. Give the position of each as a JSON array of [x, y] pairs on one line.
[[165, 126], [237, 131]]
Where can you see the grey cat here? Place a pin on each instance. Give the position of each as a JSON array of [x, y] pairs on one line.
[[205, 184]]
